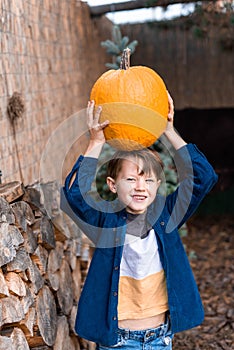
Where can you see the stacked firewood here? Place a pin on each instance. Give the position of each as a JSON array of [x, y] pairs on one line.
[[43, 264]]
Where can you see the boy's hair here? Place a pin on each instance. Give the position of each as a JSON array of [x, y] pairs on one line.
[[151, 161]]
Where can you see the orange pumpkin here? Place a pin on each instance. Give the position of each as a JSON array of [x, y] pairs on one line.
[[134, 100]]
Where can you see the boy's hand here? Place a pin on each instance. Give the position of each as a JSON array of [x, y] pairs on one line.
[[95, 128]]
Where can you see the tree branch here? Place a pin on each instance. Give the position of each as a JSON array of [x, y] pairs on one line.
[[137, 4]]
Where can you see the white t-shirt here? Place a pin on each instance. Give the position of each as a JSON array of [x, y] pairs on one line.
[[142, 285]]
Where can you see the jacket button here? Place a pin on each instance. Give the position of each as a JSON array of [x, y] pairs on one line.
[[162, 223], [167, 340], [114, 318], [116, 267], [115, 294]]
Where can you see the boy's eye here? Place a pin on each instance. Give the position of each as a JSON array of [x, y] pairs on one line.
[[149, 180], [131, 179]]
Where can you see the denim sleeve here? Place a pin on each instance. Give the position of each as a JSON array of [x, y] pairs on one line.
[[196, 179], [77, 201]]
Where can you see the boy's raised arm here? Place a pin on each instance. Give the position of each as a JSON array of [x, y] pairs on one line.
[[173, 137]]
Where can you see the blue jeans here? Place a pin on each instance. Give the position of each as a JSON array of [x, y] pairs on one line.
[[159, 338]]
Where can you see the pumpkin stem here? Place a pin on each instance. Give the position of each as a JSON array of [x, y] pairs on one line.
[[125, 59]]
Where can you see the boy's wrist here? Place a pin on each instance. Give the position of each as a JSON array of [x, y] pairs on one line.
[[94, 143], [94, 148], [174, 138], [171, 134]]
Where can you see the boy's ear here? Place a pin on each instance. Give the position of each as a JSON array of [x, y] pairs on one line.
[[111, 184]]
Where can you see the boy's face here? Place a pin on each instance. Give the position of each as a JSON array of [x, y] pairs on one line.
[[137, 191]]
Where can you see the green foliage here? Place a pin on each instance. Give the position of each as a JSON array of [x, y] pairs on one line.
[[101, 184], [151, 3], [199, 9], [116, 46], [192, 255], [198, 32], [208, 20], [228, 6], [206, 17], [232, 20]]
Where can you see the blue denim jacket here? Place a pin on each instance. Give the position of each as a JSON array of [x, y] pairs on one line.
[[105, 224]]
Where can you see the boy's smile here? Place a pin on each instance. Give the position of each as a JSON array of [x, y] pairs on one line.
[[134, 188]]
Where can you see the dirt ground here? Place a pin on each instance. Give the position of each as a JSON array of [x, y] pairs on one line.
[[212, 239]]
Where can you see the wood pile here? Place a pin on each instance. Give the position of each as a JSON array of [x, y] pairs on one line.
[[42, 269]]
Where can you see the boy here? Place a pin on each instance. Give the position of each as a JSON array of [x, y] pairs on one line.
[[140, 289]]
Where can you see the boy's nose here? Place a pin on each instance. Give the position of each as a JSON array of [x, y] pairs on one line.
[[140, 184]]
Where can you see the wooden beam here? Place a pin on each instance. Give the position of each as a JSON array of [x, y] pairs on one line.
[[136, 4]]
